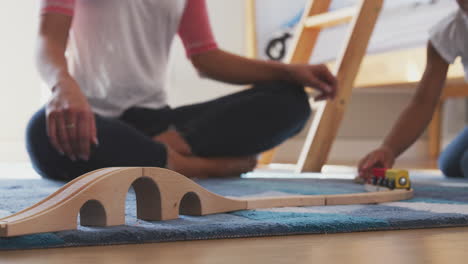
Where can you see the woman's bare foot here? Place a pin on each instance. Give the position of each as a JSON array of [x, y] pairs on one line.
[[196, 167], [174, 140], [181, 159]]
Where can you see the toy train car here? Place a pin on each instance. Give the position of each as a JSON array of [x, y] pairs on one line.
[[392, 179]]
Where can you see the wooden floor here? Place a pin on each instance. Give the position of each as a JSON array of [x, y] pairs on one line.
[[448, 245]]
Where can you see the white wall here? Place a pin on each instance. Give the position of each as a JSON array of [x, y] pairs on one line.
[[19, 83]]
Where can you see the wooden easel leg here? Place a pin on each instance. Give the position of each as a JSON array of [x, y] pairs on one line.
[[250, 28], [252, 52], [267, 157], [301, 49], [328, 118]]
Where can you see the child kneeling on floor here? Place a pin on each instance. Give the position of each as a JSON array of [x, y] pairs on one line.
[[448, 40]]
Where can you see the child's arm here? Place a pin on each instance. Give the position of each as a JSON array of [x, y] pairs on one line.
[[414, 119]]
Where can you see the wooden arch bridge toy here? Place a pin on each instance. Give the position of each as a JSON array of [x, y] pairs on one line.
[[99, 198]]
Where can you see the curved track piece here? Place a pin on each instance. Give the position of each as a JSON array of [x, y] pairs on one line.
[[99, 198]]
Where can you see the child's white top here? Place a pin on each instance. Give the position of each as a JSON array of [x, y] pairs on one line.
[[450, 38], [119, 49]]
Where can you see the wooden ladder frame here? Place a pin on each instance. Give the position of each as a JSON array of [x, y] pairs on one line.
[[328, 116]]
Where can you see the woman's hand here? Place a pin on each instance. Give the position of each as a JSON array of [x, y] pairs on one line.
[[314, 76], [382, 157], [71, 126]]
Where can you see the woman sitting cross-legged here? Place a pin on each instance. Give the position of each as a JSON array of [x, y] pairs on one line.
[[108, 105]]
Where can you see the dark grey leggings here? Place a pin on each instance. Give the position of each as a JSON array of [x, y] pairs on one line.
[[454, 160], [241, 124]]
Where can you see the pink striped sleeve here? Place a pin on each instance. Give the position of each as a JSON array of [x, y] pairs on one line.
[[195, 29], [65, 7]]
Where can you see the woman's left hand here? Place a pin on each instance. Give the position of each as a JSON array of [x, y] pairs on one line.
[[317, 77]]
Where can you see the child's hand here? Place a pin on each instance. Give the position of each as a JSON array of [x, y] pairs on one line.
[[382, 157]]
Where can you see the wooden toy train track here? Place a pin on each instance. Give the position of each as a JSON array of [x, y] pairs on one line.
[[99, 198]]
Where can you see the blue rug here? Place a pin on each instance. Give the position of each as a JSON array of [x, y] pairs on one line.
[[437, 203]]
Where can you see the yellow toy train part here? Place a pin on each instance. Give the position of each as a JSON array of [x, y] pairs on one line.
[[397, 179]]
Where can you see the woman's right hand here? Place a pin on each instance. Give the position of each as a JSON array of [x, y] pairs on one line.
[[383, 157], [71, 126], [317, 76]]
